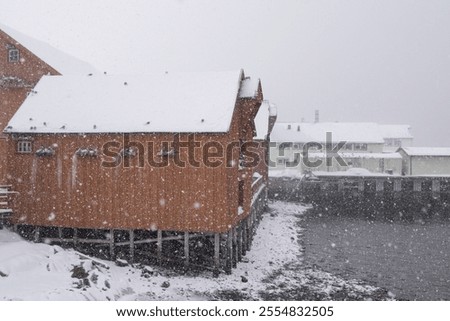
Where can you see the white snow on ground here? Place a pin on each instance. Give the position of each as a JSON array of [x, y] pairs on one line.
[[31, 271]]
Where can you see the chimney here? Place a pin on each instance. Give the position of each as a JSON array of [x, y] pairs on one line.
[[316, 116]]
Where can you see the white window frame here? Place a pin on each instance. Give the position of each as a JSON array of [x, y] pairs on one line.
[[13, 55], [360, 147], [24, 147]]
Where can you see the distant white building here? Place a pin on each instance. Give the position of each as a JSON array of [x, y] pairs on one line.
[[396, 136], [310, 146], [425, 160]]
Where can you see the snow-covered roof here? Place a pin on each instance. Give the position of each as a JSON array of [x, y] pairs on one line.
[[316, 132], [249, 88], [426, 151], [358, 155], [170, 102], [265, 111], [395, 131], [273, 111], [60, 61]]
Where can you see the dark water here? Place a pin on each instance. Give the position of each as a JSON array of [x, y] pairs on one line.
[[411, 260]]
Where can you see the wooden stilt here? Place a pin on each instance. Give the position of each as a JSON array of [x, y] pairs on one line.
[[239, 242], [111, 244], [159, 246], [75, 238], [249, 233], [37, 234], [132, 246], [244, 237], [235, 247], [229, 258], [216, 254], [60, 233], [186, 249]]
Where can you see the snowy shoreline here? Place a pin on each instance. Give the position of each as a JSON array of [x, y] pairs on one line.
[[271, 270]]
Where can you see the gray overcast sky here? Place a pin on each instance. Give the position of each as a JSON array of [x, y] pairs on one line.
[[354, 60]]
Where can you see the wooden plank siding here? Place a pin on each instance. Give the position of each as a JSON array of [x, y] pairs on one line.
[[70, 191], [29, 69]]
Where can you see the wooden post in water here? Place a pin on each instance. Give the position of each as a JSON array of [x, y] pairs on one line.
[[75, 238], [131, 232], [239, 241], [111, 244], [216, 254], [244, 237], [235, 247], [379, 185], [37, 234], [186, 249], [159, 246], [417, 185], [229, 257], [249, 233], [361, 185], [435, 187]]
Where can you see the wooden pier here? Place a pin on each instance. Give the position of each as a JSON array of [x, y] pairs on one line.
[[393, 196]]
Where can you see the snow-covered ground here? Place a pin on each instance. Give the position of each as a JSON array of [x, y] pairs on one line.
[[272, 270]]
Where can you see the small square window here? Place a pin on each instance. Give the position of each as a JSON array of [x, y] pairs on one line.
[[13, 55], [360, 146], [24, 147]]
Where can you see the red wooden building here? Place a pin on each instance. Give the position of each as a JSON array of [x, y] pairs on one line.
[[23, 61], [166, 157]]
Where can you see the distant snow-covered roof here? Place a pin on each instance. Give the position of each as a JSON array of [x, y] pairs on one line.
[[265, 111], [395, 131], [316, 132], [426, 151], [174, 102], [60, 61], [249, 88], [358, 155]]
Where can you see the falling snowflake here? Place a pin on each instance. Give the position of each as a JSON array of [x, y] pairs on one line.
[[51, 217]]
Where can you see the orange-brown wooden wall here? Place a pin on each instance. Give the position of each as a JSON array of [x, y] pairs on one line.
[[72, 191], [30, 69], [66, 190]]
